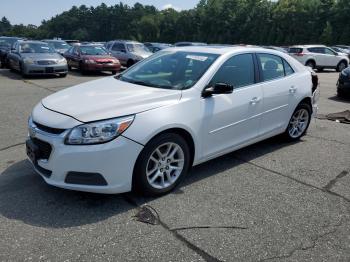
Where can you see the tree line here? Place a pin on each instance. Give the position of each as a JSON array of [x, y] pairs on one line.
[[263, 22]]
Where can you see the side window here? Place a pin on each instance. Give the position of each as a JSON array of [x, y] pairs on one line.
[[237, 71], [329, 51], [288, 70], [118, 47], [271, 66]]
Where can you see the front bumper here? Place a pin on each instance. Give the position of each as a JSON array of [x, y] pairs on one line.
[[101, 67], [114, 161], [34, 69]]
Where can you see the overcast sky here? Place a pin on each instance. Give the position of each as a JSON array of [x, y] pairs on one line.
[[34, 11]]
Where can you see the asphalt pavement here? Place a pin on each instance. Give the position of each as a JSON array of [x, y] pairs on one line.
[[273, 201]]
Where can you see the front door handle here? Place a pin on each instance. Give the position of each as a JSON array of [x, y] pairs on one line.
[[255, 100], [292, 90]]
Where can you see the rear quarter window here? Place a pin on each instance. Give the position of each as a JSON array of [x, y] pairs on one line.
[[294, 50]]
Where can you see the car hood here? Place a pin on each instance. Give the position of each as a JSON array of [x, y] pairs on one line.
[[142, 54], [43, 56], [108, 98]]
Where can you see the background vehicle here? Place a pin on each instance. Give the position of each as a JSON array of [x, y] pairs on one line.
[[59, 45], [72, 42], [128, 52], [155, 47], [5, 47], [135, 131], [281, 49], [88, 58], [319, 57], [341, 50], [190, 44], [36, 58], [343, 84]]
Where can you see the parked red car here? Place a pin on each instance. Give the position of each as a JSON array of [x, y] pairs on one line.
[[88, 58]]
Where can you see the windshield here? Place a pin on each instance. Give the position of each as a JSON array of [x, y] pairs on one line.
[[36, 48], [93, 50], [137, 48], [7, 42], [59, 45], [170, 69]]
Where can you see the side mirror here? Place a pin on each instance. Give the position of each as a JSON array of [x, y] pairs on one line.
[[218, 88]]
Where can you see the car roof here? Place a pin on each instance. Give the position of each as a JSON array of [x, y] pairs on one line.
[[52, 40], [306, 46], [126, 41], [32, 41], [220, 50]]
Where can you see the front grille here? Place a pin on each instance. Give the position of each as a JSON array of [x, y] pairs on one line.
[[50, 130], [83, 178], [46, 62], [44, 148]]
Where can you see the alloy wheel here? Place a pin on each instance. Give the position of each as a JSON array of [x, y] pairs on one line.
[[165, 165], [298, 123]]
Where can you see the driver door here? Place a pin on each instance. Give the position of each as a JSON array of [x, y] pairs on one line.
[[231, 120]]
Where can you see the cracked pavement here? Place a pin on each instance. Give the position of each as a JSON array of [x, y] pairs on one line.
[[273, 201]]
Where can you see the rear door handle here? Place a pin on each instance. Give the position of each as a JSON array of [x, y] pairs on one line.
[[255, 100], [292, 90]]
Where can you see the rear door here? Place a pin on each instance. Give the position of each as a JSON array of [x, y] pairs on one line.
[[118, 50], [279, 88]]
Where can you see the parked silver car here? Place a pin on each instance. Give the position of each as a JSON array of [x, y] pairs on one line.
[[128, 52], [36, 58], [59, 45]]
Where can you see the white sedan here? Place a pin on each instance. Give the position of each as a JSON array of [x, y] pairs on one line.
[[143, 129]]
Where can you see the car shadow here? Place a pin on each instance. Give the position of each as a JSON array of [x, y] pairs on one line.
[[10, 74], [344, 99], [26, 197], [76, 72]]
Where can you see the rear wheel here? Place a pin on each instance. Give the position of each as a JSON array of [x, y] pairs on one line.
[[63, 75], [311, 64], [341, 66], [299, 122], [21, 70], [162, 164], [114, 72]]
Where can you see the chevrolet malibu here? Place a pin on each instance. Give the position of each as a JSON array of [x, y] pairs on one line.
[[144, 128]]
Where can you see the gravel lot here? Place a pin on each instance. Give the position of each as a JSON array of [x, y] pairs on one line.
[[272, 201]]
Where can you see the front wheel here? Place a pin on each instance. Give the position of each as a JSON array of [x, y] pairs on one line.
[[161, 165], [299, 122], [341, 66]]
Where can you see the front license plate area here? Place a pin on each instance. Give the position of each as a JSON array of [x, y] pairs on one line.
[[49, 70], [32, 151]]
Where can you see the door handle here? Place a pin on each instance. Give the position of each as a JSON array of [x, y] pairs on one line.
[[255, 100], [292, 90]]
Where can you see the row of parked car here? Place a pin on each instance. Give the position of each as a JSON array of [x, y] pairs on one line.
[[58, 57]]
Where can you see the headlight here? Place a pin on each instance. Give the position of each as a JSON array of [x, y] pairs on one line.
[[62, 61], [28, 61], [89, 61], [98, 132]]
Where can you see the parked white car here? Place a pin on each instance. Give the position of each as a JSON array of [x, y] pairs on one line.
[[145, 128], [319, 57]]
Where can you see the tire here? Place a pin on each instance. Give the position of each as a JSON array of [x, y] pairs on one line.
[[165, 171], [130, 63], [63, 75], [69, 68], [298, 125], [341, 66], [82, 71], [24, 75], [114, 72], [320, 69], [311, 64]]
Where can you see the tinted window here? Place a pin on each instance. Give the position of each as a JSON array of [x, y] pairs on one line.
[[237, 71], [36, 48], [317, 50], [295, 50], [288, 70], [118, 47], [272, 66], [329, 51]]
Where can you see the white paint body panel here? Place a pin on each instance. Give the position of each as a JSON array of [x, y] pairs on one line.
[[218, 124]]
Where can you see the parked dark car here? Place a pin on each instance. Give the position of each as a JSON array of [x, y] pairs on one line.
[[59, 45], [155, 47], [36, 58], [5, 47], [190, 44], [343, 85], [91, 58]]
